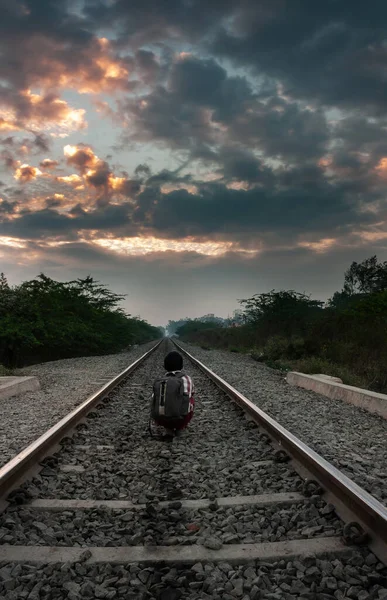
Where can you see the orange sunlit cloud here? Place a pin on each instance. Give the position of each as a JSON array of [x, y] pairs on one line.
[[325, 162], [171, 187], [43, 112], [381, 168], [373, 236], [26, 173], [6, 125], [48, 163], [81, 157], [73, 179], [141, 246], [95, 172], [239, 185], [320, 246], [12, 242], [97, 67], [108, 73]]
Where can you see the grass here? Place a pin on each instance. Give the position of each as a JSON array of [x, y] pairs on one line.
[[4, 372], [314, 365], [292, 355]]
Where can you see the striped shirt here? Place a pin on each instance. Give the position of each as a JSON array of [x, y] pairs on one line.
[[188, 387]]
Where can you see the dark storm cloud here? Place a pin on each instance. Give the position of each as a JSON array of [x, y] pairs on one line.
[[241, 166], [183, 114], [160, 117], [166, 176], [6, 207], [283, 130], [289, 201], [238, 163], [206, 83], [331, 52], [218, 209], [149, 21], [362, 141], [100, 176], [295, 59], [8, 160], [48, 222], [142, 170], [41, 142], [41, 223], [148, 65], [201, 106]]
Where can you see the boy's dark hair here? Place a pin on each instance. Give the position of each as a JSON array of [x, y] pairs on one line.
[[173, 362]]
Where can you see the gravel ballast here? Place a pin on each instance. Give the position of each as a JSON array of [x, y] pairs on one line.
[[352, 439], [324, 578], [167, 526], [214, 456], [64, 384], [111, 456]]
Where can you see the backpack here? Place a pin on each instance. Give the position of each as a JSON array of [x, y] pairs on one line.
[[169, 399]]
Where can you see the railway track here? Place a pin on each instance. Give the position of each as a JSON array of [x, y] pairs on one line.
[[235, 507]]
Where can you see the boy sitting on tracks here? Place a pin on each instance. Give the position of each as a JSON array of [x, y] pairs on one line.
[[172, 398]]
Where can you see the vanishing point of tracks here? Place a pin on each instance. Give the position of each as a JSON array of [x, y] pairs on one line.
[[235, 507]]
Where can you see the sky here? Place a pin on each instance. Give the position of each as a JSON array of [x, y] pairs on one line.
[[190, 153]]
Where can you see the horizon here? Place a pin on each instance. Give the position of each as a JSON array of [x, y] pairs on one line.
[[192, 153]]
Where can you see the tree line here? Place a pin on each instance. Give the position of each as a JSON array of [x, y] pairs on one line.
[[43, 319], [199, 322], [345, 336]]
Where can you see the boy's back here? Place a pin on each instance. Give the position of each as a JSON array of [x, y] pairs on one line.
[[172, 400]]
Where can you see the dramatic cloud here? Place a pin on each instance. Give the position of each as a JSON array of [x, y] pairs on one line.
[[35, 111], [333, 53], [210, 134], [48, 163], [26, 173], [97, 173]]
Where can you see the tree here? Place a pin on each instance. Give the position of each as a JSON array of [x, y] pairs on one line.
[[366, 277], [284, 313], [173, 326], [3, 283], [195, 325], [44, 319]]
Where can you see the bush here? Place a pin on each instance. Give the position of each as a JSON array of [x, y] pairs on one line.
[[276, 347], [346, 337], [43, 319], [316, 365]]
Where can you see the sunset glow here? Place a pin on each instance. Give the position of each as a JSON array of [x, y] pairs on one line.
[[150, 245], [236, 145]]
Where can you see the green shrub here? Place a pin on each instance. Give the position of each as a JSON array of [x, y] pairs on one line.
[[296, 348], [257, 354], [44, 319], [276, 347], [315, 365]]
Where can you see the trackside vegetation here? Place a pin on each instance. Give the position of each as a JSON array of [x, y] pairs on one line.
[[345, 336], [44, 319]]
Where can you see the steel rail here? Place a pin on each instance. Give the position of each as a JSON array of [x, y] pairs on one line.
[[14, 470], [368, 510]]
